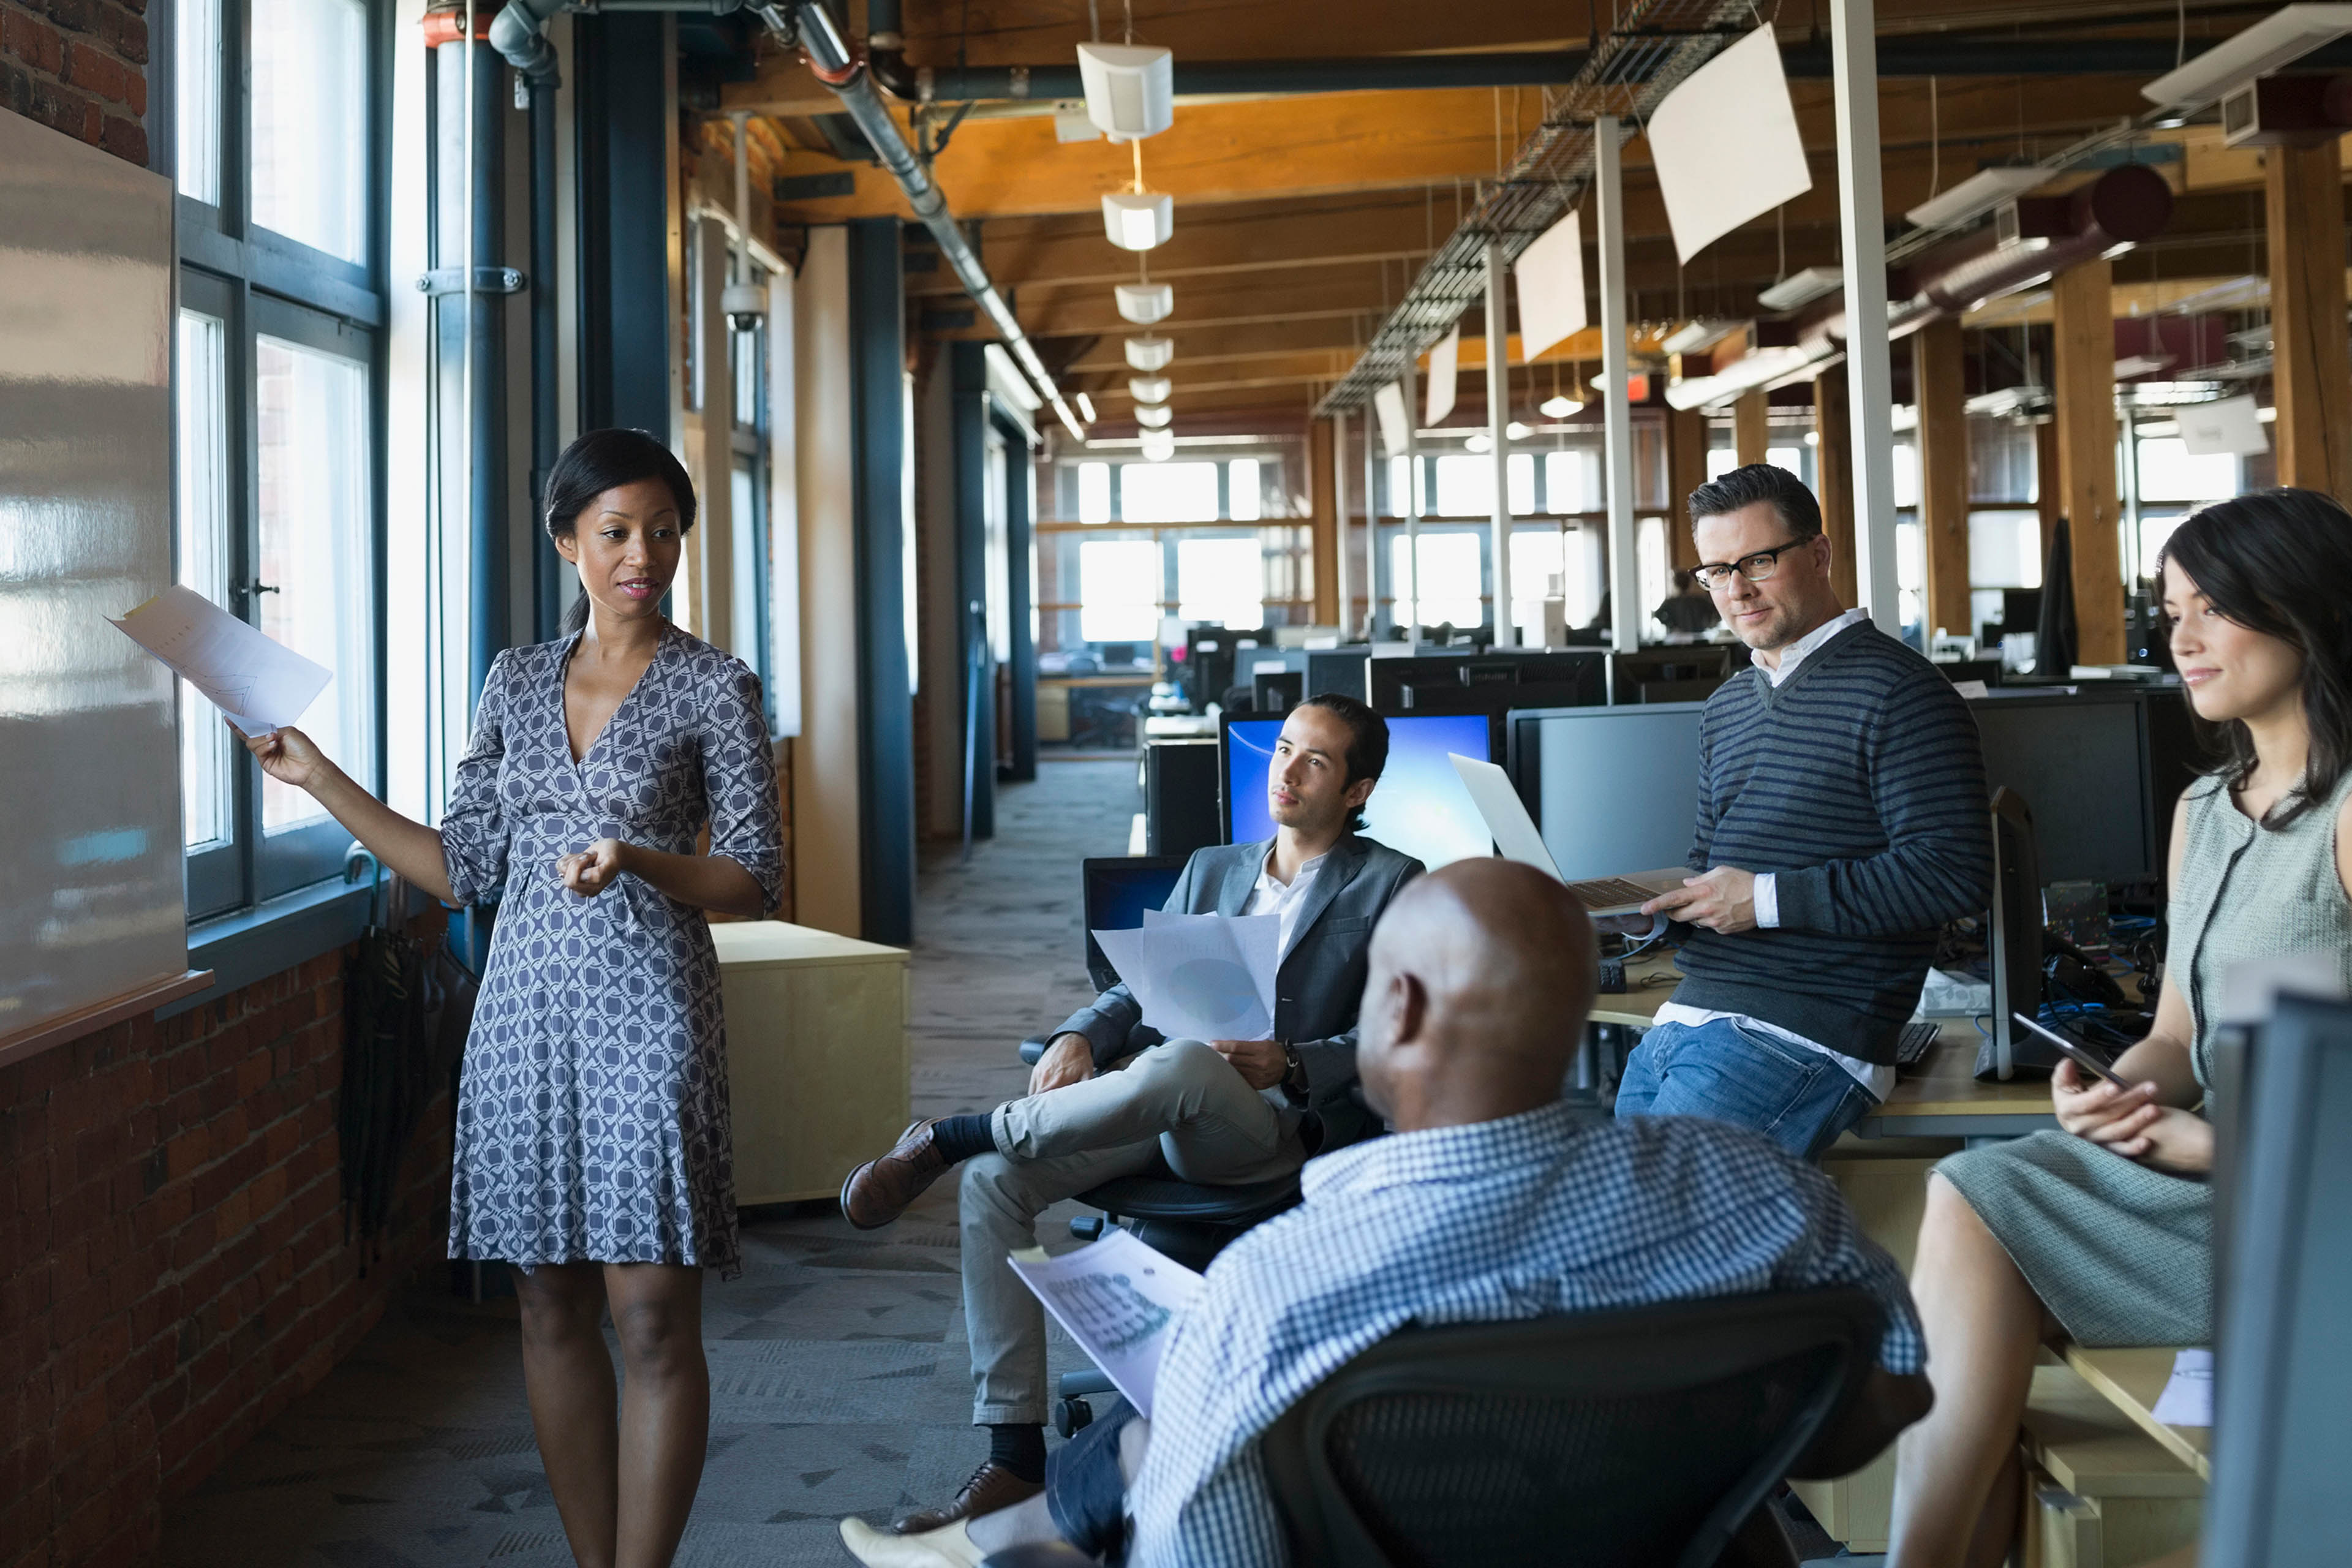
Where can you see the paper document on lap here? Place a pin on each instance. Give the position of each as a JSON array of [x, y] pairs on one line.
[[1201, 977], [2187, 1397], [257, 684], [1119, 1299]]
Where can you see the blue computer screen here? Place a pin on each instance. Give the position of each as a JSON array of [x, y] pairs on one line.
[[1417, 807]]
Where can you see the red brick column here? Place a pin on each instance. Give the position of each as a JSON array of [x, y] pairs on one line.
[[79, 66]]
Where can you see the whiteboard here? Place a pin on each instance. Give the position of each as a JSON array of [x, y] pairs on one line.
[[92, 908]]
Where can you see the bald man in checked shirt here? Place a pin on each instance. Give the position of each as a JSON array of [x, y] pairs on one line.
[[1492, 1201]]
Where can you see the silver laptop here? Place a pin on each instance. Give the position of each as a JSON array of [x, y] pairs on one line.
[[1516, 836]]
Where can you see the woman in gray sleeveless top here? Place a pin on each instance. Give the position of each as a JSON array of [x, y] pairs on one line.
[[2102, 1231]]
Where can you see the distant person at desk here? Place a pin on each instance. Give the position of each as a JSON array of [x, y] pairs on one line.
[[2103, 1229], [1689, 610], [1841, 821], [1494, 1202], [1112, 1098], [592, 1148]]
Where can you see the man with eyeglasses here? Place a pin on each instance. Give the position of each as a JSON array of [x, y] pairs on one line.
[[1840, 823]]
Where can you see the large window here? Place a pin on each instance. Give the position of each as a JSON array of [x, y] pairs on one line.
[[274, 147], [1118, 588], [1451, 582], [1220, 580]]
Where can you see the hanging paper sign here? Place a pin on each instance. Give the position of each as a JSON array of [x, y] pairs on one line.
[[1726, 146], [1549, 278]]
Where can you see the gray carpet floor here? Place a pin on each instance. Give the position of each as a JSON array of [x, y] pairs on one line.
[[839, 1379]]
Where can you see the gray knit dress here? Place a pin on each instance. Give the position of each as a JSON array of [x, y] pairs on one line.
[[2122, 1254]]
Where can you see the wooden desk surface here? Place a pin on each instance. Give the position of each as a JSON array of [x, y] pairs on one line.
[[1943, 1084], [782, 945], [2131, 1380]]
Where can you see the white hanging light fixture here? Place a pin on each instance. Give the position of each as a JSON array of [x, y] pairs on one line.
[[1130, 89], [1144, 303], [1158, 446], [1152, 416], [1149, 353], [1559, 406], [1149, 388], [1138, 220]]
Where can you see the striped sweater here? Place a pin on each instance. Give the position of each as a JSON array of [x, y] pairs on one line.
[[1859, 784]]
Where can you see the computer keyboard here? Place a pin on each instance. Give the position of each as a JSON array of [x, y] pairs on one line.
[[1608, 892], [1913, 1042]]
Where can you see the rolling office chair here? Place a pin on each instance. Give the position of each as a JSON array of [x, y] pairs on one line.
[[1630, 1439]]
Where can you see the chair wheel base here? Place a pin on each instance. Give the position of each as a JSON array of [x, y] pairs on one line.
[[1072, 1416]]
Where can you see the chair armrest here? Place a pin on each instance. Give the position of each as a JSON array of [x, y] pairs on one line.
[[1032, 1048], [1039, 1554]]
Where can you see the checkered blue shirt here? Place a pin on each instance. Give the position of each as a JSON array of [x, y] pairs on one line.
[[1497, 1221]]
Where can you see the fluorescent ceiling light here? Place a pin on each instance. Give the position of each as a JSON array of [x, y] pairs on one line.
[[1149, 353], [1800, 288], [1158, 446], [1149, 388], [1072, 123], [2280, 38], [2140, 364], [1479, 441], [1702, 333], [1144, 303], [1558, 407], [1130, 89], [1741, 376], [1517, 431], [1978, 194], [1152, 416], [2010, 403], [1138, 220], [1086, 408]]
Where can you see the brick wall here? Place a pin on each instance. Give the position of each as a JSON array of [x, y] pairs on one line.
[[172, 1264], [79, 66]]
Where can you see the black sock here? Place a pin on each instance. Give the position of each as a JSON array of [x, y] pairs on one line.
[[962, 1137], [1020, 1446]]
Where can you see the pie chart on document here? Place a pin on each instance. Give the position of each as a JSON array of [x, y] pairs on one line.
[[1215, 990]]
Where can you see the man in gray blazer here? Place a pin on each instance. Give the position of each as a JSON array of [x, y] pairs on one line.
[[1112, 1098]]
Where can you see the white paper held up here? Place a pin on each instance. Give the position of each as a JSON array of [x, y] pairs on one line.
[[1206, 977], [2187, 1397], [1444, 377], [258, 685], [1549, 280], [1120, 1300], [1725, 145]]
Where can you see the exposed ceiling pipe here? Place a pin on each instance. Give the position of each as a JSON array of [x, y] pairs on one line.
[[833, 63]]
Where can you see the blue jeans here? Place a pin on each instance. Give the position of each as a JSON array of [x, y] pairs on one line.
[[1799, 1098]]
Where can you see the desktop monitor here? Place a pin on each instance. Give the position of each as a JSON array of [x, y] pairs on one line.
[[1114, 893], [1419, 807], [2081, 760], [1493, 681], [1612, 789], [1683, 672], [2014, 948]]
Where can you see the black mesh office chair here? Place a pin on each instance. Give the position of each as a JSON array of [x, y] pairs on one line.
[[1637, 1438]]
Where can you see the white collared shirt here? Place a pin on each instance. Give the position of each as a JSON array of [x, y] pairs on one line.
[[1272, 897]]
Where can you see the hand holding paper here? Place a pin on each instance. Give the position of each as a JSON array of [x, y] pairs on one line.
[[1201, 977], [258, 685]]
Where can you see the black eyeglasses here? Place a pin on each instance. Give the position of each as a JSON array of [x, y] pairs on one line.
[[1755, 568]]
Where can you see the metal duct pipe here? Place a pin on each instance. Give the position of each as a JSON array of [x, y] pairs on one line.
[[546, 432], [515, 32], [834, 64]]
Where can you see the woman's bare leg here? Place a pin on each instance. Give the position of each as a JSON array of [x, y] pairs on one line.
[[1956, 1481], [665, 1406], [569, 1375]]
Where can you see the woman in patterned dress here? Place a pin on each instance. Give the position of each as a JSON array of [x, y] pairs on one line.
[[2103, 1229], [593, 1147]]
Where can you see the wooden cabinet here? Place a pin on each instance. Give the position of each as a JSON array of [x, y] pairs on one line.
[[816, 1055]]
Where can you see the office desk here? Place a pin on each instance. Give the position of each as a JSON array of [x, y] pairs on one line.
[[1938, 1098], [2130, 1380]]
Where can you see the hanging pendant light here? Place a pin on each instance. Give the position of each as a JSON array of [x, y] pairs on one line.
[[1144, 303], [1149, 388], [1149, 353], [1138, 220], [1152, 416]]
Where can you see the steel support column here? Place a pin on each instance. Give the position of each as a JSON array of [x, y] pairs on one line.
[[1870, 377], [1499, 423], [886, 726], [1345, 591], [1625, 570]]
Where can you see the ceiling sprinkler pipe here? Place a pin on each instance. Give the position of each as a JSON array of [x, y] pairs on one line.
[[516, 33]]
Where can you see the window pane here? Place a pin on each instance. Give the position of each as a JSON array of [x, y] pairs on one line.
[[1535, 578], [1465, 485], [1168, 492], [1720, 461], [2167, 472], [2005, 550], [1220, 580], [202, 410], [1650, 561], [197, 80], [1245, 493], [1790, 458], [1118, 588], [310, 122], [743, 566], [1523, 484], [1910, 569], [1571, 481], [1906, 474], [1094, 492], [1450, 585], [315, 551]]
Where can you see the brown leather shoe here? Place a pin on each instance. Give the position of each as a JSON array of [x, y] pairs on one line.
[[991, 1487], [880, 1190]]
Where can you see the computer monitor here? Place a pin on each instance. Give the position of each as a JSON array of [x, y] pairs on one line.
[[2281, 1363], [1682, 665], [1276, 677], [1612, 789], [1114, 893], [1340, 669], [1490, 682], [1209, 659], [2081, 759], [1419, 807]]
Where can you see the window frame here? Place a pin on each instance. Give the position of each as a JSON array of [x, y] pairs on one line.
[[257, 282]]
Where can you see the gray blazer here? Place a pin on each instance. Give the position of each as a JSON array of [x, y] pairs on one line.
[[1321, 979]]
